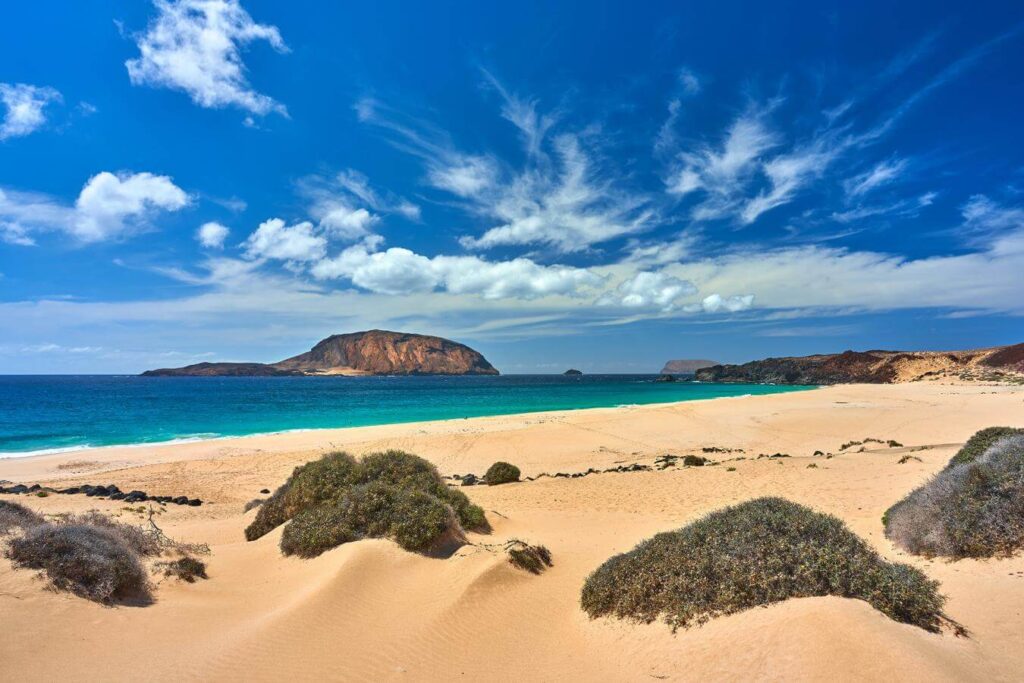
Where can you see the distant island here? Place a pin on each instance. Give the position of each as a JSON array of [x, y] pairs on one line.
[[572, 372], [686, 366], [374, 352], [875, 367]]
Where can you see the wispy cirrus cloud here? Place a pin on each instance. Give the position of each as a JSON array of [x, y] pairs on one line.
[[563, 198]]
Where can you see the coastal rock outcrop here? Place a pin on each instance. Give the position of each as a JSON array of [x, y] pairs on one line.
[[375, 352], [686, 366], [872, 367]]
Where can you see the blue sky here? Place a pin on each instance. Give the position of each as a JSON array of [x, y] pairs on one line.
[[596, 185]]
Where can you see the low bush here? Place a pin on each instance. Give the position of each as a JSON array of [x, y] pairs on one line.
[[187, 569], [756, 553], [16, 516], [136, 538], [694, 461], [501, 473], [392, 494], [532, 558], [254, 503], [971, 509], [89, 561], [980, 442]]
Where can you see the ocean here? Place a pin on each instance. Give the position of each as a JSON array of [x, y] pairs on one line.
[[48, 413]]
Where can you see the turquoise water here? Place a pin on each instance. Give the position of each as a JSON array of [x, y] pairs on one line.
[[43, 413]]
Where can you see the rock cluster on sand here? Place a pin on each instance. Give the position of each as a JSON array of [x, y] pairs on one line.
[[109, 491]]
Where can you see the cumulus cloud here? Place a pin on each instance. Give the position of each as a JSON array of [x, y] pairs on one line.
[[716, 303], [109, 201], [649, 289], [401, 271], [274, 239], [212, 235], [24, 107], [196, 46], [109, 206]]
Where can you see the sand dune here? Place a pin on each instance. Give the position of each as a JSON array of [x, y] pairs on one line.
[[369, 611]]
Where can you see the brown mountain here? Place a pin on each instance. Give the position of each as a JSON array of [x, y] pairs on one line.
[[872, 367], [376, 352], [686, 366]]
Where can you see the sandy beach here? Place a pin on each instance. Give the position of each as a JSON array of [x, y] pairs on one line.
[[370, 611]]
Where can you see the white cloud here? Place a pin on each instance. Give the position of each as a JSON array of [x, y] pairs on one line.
[[275, 240], [401, 271], [884, 173], [569, 203], [986, 216], [569, 207], [108, 201], [109, 206], [212, 235], [24, 105], [649, 289], [723, 172], [716, 303], [787, 174], [344, 204], [689, 81], [523, 115], [195, 46]]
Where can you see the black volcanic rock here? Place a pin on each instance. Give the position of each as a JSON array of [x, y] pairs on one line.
[[573, 372]]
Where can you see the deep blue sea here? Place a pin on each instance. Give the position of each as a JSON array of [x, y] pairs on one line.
[[43, 413]]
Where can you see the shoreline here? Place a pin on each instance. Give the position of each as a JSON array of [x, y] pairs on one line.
[[12, 455], [264, 616]]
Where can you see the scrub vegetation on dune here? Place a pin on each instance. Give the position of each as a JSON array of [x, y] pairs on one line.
[[90, 561], [90, 554], [980, 442], [338, 499], [501, 473], [756, 553], [973, 508]]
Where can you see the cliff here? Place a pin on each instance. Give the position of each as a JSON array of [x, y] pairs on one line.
[[376, 352], [873, 367], [686, 366]]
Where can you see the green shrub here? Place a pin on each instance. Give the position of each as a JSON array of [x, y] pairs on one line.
[[337, 499], [980, 442], [532, 558], [16, 516], [501, 473], [311, 484], [756, 553], [89, 561], [187, 569], [971, 509], [413, 519], [317, 530]]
